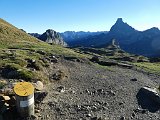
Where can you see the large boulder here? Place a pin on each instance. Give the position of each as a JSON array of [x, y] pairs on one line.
[[152, 93], [149, 99]]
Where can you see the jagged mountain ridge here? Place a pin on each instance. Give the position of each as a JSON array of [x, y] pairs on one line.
[[70, 36], [130, 40]]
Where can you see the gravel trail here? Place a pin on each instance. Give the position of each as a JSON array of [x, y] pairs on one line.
[[96, 93]]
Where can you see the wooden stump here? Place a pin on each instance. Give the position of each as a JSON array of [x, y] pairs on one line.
[[24, 93]]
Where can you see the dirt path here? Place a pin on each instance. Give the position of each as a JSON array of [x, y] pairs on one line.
[[95, 93]]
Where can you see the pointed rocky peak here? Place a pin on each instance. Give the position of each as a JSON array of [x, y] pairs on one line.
[[121, 28], [50, 31], [53, 34], [119, 20]]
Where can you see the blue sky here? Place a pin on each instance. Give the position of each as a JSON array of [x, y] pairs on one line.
[[79, 15]]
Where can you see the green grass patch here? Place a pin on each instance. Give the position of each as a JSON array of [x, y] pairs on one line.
[[149, 67]]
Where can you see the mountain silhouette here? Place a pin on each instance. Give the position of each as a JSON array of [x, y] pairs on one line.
[[131, 40]]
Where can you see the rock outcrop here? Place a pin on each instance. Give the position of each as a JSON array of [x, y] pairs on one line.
[[52, 37]]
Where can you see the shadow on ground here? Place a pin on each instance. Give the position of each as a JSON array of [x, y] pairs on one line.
[[146, 102]]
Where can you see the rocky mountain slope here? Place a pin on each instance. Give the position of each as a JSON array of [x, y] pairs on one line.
[[51, 37]]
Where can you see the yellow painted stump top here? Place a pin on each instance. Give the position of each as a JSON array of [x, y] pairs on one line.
[[23, 88]]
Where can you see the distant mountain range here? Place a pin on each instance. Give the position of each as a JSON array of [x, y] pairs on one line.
[[71, 36], [145, 43], [68, 37]]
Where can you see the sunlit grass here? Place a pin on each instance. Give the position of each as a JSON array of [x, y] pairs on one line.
[[17, 47], [149, 67]]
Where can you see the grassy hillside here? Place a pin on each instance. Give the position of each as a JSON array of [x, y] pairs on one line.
[[11, 36], [18, 49]]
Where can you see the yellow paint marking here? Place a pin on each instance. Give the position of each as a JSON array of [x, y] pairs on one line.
[[23, 88]]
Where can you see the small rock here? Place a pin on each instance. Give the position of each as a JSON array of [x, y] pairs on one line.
[[78, 107], [38, 85], [88, 115], [39, 115], [88, 108], [133, 115], [31, 61], [47, 116], [54, 59], [94, 118], [41, 52], [111, 92], [94, 108], [58, 109], [87, 91], [100, 90], [120, 103], [90, 93], [122, 118], [106, 104], [94, 92], [37, 111], [6, 98], [61, 89], [6, 104], [104, 108], [72, 91], [134, 79]]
